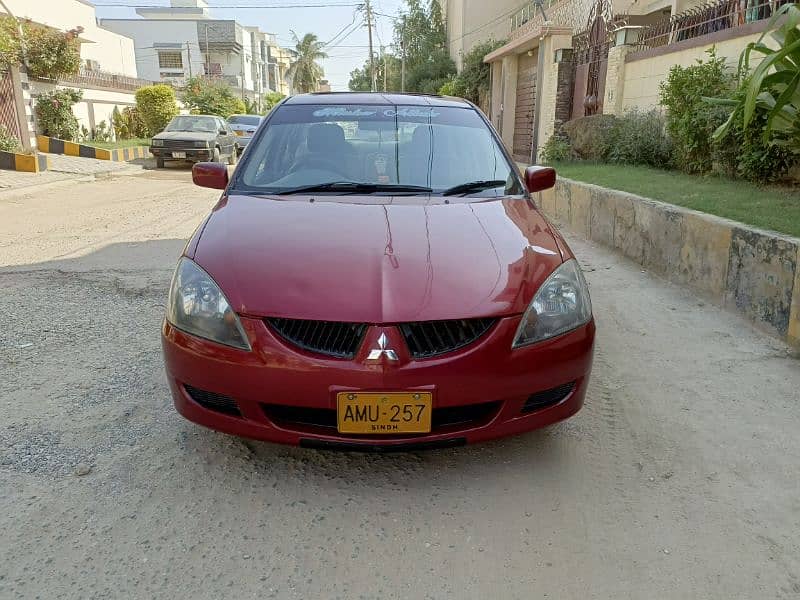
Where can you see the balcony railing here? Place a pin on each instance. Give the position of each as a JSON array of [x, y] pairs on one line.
[[705, 19], [528, 12], [102, 79]]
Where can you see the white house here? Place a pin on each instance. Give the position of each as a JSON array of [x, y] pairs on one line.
[[176, 42], [108, 76]]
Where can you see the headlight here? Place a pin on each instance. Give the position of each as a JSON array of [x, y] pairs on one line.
[[201, 144], [560, 305], [196, 305], [158, 142]]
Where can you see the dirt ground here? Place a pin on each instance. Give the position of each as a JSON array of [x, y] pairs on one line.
[[679, 479]]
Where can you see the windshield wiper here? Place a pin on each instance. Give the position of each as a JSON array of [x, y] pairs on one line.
[[354, 187], [474, 186]]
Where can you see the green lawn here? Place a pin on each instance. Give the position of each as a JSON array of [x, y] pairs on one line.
[[771, 207], [120, 143]]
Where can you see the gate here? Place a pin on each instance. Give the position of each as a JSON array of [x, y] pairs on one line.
[[525, 111], [591, 59], [8, 108]]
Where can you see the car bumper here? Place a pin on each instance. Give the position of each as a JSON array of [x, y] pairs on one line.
[[243, 140], [196, 154], [487, 381]]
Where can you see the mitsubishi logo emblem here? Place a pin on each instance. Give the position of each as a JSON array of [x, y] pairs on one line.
[[382, 350]]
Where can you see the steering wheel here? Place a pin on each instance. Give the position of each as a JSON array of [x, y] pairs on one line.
[[317, 162]]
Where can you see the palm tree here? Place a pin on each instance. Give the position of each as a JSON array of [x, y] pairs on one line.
[[305, 73]]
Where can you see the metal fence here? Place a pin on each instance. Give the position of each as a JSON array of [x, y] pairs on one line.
[[102, 79], [706, 19], [8, 109]]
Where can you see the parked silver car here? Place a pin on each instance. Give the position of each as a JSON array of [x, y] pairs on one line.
[[244, 126]]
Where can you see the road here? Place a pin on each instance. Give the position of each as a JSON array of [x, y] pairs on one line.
[[679, 479]]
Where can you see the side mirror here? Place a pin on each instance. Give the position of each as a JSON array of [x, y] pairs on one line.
[[223, 132], [210, 175], [538, 179]]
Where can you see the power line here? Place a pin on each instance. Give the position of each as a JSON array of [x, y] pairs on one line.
[[236, 6]]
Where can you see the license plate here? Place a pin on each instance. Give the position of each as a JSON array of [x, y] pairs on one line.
[[179, 155], [239, 132], [384, 412]]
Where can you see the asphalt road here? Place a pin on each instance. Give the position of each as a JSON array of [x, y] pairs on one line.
[[679, 479]]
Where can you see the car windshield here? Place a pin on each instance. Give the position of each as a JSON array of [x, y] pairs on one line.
[[192, 123], [440, 148], [244, 120]]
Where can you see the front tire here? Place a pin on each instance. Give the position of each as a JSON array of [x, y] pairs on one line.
[[215, 157], [159, 163], [234, 156]]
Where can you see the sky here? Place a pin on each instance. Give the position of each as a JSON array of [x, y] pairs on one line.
[[325, 18]]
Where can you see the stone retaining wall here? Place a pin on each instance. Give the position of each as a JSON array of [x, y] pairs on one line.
[[752, 271]]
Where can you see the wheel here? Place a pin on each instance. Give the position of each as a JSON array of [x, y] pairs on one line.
[[234, 156], [159, 163], [215, 157]]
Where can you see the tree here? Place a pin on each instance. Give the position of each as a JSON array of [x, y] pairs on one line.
[[305, 72], [156, 105], [420, 32], [49, 53], [388, 64], [473, 81], [206, 96], [271, 99]]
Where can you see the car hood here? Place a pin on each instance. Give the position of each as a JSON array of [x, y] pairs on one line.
[[400, 261], [185, 135]]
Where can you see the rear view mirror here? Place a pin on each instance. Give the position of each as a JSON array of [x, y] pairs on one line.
[[223, 132], [211, 175], [538, 178]]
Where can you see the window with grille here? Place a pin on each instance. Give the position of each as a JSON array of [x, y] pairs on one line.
[[170, 60]]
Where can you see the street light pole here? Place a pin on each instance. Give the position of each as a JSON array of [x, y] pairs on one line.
[[208, 55]]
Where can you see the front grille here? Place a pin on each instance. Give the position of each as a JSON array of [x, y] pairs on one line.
[[331, 338], [548, 397], [431, 338], [213, 401], [178, 144], [326, 417]]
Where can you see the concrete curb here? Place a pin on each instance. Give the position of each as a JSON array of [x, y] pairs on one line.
[[749, 270], [30, 163], [56, 146]]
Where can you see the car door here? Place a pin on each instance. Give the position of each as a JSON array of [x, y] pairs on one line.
[[230, 137]]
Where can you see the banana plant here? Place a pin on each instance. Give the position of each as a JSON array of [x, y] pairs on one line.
[[774, 84]]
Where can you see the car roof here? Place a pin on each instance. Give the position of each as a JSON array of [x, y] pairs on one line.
[[194, 116], [378, 98], [243, 115]]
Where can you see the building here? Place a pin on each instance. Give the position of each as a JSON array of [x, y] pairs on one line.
[[108, 76], [179, 41], [470, 22], [569, 58]]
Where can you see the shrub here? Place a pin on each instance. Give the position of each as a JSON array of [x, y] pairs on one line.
[[211, 97], [128, 124], [8, 143], [54, 113], [472, 82], [691, 122], [557, 149], [271, 99], [590, 136], [742, 151], [156, 105], [50, 53], [640, 138]]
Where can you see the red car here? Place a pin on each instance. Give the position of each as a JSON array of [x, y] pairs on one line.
[[376, 276]]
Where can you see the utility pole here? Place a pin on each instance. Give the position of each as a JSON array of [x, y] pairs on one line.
[[208, 55], [372, 73], [403, 58], [189, 58], [385, 66]]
